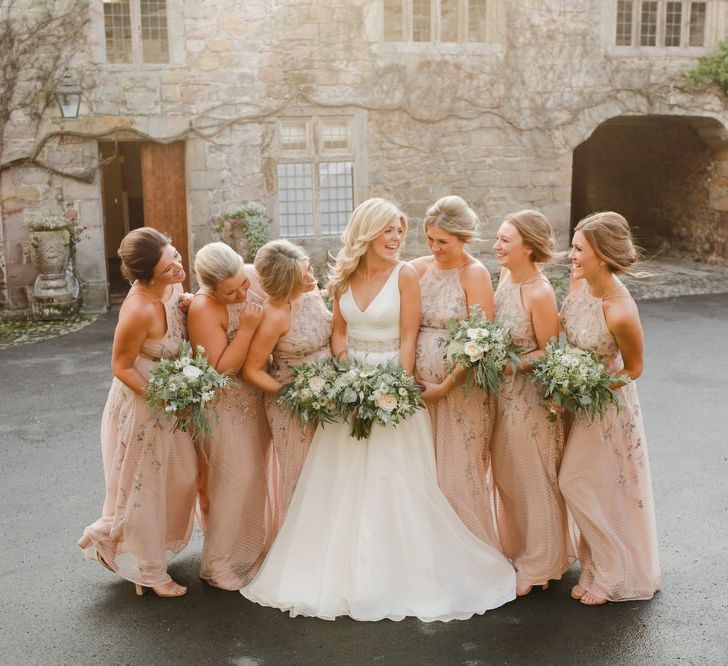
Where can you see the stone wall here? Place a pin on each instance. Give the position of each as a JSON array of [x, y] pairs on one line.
[[496, 123]]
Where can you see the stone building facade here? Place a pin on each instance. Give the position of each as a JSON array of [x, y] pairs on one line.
[[311, 106]]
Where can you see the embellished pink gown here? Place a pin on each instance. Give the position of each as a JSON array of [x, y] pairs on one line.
[[235, 518], [462, 420], [308, 338], [526, 450], [605, 474], [151, 474]]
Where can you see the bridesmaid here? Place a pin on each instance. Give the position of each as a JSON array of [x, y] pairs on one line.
[[295, 329], [151, 472], [451, 283], [222, 318], [605, 474], [526, 446]]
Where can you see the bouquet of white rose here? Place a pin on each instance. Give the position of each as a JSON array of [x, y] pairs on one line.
[[482, 346], [370, 393], [181, 388], [576, 380], [311, 395]]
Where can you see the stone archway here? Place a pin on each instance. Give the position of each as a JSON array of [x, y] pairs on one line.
[[668, 175]]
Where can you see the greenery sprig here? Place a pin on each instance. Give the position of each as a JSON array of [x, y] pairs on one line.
[[712, 69]]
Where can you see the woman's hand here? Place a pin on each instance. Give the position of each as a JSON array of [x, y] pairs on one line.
[[184, 302], [433, 392], [555, 409], [250, 315]]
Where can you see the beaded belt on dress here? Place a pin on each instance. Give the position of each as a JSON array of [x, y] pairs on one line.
[[374, 345]]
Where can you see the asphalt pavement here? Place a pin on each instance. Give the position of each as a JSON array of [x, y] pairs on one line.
[[56, 608]]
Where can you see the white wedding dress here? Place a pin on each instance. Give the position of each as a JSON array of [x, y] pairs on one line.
[[368, 533]]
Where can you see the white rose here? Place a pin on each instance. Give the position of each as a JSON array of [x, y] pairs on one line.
[[387, 402], [474, 333], [473, 350], [191, 372], [317, 384]]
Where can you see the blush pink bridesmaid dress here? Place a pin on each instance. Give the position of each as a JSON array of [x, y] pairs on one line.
[[526, 450], [308, 338], [605, 473], [235, 515], [462, 420], [151, 474]]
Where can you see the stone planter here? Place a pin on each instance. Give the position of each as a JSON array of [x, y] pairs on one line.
[[56, 291]]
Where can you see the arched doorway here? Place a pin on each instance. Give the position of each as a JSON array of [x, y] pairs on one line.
[[668, 175]]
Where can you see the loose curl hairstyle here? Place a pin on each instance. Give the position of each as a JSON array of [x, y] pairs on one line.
[[140, 251], [610, 237], [536, 232], [453, 215], [369, 220]]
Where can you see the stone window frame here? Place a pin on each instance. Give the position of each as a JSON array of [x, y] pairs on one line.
[[175, 37], [492, 32], [716, 15], [314, 154]]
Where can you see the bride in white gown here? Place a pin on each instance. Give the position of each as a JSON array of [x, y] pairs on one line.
[[368, 533]]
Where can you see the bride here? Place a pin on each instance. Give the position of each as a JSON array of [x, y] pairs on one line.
[[368, 533]]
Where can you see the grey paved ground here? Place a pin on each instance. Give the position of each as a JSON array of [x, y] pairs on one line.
[[57, 609]]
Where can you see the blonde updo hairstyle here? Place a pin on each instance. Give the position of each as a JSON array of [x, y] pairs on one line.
[[281, 268], [216, 262], [369, 219], [453, 215], [536, 232], [609, 236]]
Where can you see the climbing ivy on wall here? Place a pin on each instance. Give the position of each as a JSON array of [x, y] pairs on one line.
[[712, 69]]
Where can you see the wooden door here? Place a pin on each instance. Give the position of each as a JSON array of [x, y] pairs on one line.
[[165, 197]]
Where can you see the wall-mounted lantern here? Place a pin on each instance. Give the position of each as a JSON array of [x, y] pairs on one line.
[[68, 96]]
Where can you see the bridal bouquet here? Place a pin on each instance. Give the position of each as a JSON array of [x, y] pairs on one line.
[[483, 346], [181, 387], [312, 394], [370, 394], [575, 379]]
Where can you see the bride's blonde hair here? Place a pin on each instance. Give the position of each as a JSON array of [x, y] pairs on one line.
[[369, 220]]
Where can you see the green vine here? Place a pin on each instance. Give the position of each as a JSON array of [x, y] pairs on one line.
[[249, 219], [712, 69]]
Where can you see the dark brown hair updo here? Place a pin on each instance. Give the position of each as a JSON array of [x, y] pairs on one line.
[[140, 250]]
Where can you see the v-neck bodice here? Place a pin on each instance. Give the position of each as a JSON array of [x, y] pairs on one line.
[[379, 321]]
